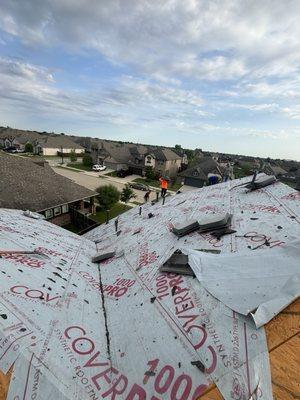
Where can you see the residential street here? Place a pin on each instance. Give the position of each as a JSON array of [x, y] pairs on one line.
[[92, 180]]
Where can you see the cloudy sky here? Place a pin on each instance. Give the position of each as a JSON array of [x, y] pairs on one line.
[[221, 75]]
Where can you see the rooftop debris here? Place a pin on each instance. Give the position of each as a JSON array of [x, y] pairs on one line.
[[207, 223], [103, 256], [261, 182], [125, 330], [260, 284], [32, 214], [222, 232]]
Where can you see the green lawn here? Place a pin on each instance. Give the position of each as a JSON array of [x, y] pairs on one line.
[[80, 166], [69, 169], [116, 210], [154, 183]]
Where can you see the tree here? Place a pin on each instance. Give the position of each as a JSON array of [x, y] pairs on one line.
[[190, 154], [87, 160], [73, 156], [108, 197], [127, 194], [149, 173], [178, 146], [28, 148]]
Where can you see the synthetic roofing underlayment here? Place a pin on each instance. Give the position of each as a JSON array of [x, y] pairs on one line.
[[122, 330]]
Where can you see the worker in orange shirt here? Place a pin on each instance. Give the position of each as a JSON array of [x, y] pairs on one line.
[[163, 186]]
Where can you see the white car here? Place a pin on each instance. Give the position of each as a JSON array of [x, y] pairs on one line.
[[98, 167]]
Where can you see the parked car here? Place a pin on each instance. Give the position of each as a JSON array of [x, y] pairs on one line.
[[139, 186], [98, 167], [123, 172], [12, 149]]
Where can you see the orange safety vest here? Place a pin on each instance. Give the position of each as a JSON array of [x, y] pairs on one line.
[[163, 183]]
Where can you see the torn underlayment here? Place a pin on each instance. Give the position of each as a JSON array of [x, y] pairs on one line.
[[120, 329], [261, 283]]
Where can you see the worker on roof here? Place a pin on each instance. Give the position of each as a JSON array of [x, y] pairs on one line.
[[163, 186], [228, 173], [147, 195]]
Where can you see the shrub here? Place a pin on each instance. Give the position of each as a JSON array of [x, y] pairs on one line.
[[149, 173], [108, 196], [127, 194], [73, 156], [87, 160], [28, 148]]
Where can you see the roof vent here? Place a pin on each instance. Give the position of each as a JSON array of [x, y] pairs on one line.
[[261, 182], [214, 221], [185, 227], [177, 264]]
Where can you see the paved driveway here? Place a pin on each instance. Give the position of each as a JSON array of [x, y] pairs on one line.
[[91, 180]]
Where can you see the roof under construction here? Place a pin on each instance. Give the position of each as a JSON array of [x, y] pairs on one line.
[[121, 329]]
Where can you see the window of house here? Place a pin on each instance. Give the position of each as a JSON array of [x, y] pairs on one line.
[[57, 211], [149, 159], [64, 208], [195, 173], [48, 214]]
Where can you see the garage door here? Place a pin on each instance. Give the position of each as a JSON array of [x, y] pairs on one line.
[[193, 182]]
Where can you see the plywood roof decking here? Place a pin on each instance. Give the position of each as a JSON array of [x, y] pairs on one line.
[[283, 335]]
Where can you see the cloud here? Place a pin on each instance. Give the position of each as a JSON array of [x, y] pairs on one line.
[[190, 66], [215, 40], [292, 112], [288, 88], [34, 89]]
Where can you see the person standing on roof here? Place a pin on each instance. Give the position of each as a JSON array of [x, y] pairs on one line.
[[228, 173], [163, 186], [147, 195]]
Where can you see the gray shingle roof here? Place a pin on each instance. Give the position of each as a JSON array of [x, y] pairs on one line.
[[164, 154], [202, 168], [26, 185], [60, 141]]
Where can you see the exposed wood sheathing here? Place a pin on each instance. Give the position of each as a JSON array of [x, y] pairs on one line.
[[283, 336]]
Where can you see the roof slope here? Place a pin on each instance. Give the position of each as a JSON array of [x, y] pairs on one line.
[[60, 141], [201, 169], [20, 134], [163, 154], [26, 185], [92, 327]]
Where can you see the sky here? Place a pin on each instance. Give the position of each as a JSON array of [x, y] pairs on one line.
[[221, 75]]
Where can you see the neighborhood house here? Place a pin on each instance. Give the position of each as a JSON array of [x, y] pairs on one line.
[[28, 185]]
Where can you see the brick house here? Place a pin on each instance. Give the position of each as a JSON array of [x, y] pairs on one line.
[[164, 161], [197, 175], [43, 143]]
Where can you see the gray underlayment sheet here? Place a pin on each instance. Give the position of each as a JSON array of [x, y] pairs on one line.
[[121, 329], [260, 283]]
